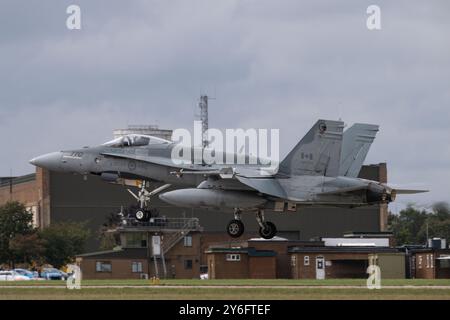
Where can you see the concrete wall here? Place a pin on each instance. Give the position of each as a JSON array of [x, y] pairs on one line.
[[392, 265]]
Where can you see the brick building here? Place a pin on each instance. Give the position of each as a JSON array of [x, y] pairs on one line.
[[181, 251], [431, 263], [32, 190], [241, 263], [345, 262]]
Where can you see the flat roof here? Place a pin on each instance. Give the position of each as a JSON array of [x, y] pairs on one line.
[[343, 250], [6, 181], [123, 253], [371, 234], [252, 252]]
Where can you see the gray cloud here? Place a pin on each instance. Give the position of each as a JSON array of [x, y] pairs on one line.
[[270, 64]]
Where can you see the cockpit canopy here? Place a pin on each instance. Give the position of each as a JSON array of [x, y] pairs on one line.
[[135, 140]]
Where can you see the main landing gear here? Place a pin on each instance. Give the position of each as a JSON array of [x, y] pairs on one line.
[[235, 227], [143, 212], [267, 229]]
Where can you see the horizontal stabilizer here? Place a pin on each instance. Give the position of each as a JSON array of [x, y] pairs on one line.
[[409, 191], [409, 188]]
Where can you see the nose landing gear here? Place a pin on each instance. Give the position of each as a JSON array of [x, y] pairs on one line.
[[143, 212]]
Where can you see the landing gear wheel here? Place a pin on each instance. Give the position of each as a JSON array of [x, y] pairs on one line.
[[235, 228], [142, 215], [269, 231]]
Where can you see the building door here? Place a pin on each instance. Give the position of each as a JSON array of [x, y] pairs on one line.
[[320, 268]]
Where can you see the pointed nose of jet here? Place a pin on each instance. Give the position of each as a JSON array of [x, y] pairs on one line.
[[50, 161], [172, 197], [165, 197]]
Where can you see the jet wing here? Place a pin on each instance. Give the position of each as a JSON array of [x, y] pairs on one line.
[[269, 186], [224, 173], [254, 178]]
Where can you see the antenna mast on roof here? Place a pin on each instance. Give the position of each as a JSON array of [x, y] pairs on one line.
[[203, 105]]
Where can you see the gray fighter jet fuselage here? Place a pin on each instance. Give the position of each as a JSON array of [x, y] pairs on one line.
[[311, 174]]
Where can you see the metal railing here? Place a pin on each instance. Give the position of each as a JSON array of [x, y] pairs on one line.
[[162, 223], [173, 238]]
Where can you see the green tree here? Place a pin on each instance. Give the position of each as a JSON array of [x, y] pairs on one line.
[[27, 248], [438, 222], [412, 225], [14, 220], [63, 241]]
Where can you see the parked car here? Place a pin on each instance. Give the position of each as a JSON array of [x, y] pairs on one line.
[[11, 275], [53, 274], [27, 273]]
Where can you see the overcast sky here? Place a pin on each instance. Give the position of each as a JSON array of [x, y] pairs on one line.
[[269, 64]]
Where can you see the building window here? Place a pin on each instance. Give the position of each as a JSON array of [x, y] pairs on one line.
[[420, 262], [188, 241], [431, 260], [103, 266], [233, 257], [428, 260], [306, 260], [135, 240], [136, 266], [293, 260], [188, 264], [444, 264]]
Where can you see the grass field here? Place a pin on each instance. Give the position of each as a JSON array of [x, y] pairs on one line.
[[238, 282], [228, 289]]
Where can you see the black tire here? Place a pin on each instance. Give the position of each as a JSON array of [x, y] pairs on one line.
[[269, 231], [142, 215], [235, 228]]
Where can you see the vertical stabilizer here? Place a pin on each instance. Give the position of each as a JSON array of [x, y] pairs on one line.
[[318, 153], [355, 145]]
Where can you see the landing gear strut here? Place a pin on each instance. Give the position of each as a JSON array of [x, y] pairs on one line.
[[267, 229], [143, 212], [235, 227]]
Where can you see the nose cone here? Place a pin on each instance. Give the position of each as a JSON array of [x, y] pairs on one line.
[[171, 197], [50, 161]]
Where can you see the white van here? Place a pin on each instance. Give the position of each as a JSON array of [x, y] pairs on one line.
[[12, 276]]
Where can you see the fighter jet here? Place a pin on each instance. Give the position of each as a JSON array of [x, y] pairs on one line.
[[313, 173]]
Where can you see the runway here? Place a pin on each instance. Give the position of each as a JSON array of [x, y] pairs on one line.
[[216, 287]]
